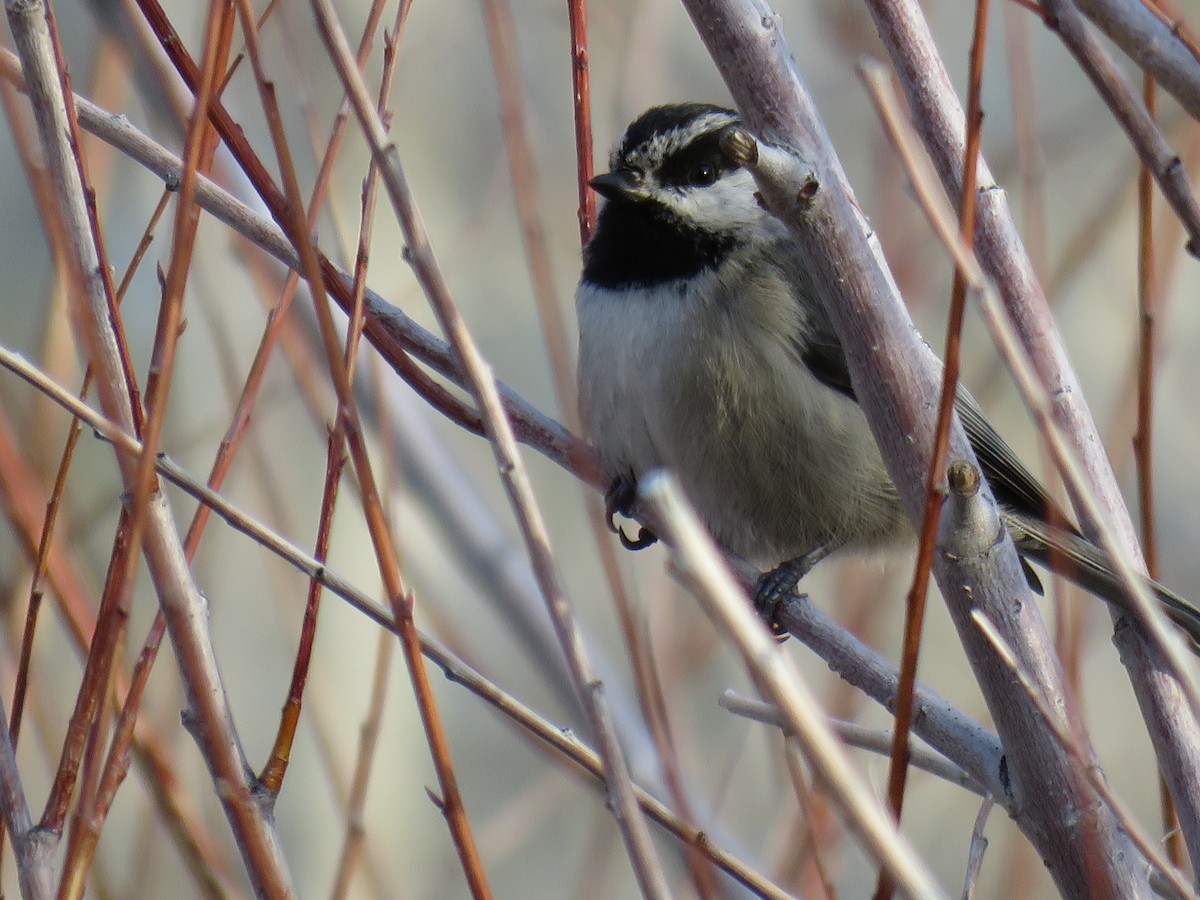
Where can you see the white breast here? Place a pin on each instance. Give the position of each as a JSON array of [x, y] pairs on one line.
[[627, 340], [705, 380]]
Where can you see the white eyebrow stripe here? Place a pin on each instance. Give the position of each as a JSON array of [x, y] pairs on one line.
[[652, 152]]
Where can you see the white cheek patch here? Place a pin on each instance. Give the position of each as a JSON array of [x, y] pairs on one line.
[[728, 204]]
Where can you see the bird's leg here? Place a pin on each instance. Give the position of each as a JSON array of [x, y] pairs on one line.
[[620, 498], [781, 581]]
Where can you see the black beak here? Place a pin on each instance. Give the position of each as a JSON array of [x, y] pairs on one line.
[[612, 185]]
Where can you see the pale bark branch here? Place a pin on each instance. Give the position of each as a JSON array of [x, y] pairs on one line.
[[182, 603], [483, 386], [1153, 42], [896, 377], [939, 120]]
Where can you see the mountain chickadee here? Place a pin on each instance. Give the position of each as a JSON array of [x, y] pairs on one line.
[[704, 349]]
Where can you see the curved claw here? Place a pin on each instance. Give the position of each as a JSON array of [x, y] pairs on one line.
[[780, 582], [618, 500], [645, 537], [772, 587]]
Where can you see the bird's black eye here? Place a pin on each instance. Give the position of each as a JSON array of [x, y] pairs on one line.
[[702, 174]]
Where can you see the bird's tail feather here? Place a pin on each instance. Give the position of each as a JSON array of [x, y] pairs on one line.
[[1067, 553]]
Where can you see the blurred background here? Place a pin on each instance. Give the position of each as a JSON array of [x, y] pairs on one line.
[[543, 832]]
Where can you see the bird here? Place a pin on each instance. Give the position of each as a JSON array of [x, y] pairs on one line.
[[705, 349]]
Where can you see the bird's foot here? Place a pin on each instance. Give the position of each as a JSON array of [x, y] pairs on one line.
[[619, 499], [780, 582]]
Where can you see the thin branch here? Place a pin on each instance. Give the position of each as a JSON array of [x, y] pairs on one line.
[[1156, 43], [935, 480], [1053, 393], [93, 805], [456, 670], [581, 94], [1143, 436], [1147, 139], [276, 766], [523, 173], [180, 599], [978, 846], [501, 32], [353, 842], [399, 597], [852, 734], [945, 727], [705, 572], [21, 494], [32, 848], [513, 475]]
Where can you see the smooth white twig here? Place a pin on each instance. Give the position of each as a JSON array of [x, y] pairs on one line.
[[514, 477], [876, 740], [774, 671]]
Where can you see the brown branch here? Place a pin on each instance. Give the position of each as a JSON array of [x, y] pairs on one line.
[[554, 736], [1054, 393], [21, 491], [400, 598], [178, 595], [353, 842], [581, 94], [945, 727], [1147, 139], [1143, 436], [935, 481], [513, 475], [776, 674], [92, 808], [522, 167], [276, 766]]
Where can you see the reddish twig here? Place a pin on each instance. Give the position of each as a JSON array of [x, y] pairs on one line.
[[581, 93], [1156, 154], [522, 167], [93, 807], [399, 597], [177, 592], [513, 475], [1143, 436], [457, 671], [41, 560], [935, 480], [19, 490], [275, 768], [353, 843]]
